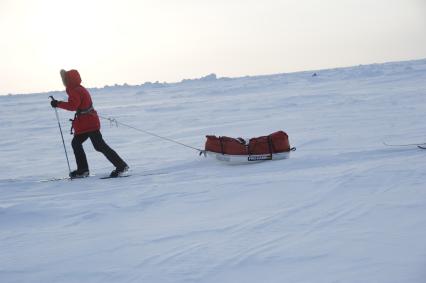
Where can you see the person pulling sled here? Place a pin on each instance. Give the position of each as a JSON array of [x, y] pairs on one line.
[[86, 125]]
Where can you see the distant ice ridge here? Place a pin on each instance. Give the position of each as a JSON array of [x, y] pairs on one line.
[[208, 78]]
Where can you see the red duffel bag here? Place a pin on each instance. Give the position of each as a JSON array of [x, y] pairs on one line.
[[225, 145], [274, 143]]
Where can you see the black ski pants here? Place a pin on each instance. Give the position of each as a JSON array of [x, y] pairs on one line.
[[99, 144]]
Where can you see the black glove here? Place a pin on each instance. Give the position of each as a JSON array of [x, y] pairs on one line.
[[54, 103]]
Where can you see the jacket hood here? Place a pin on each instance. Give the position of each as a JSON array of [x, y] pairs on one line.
[[72, 79]]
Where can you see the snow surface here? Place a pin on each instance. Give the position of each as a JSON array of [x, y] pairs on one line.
[[343, 208]]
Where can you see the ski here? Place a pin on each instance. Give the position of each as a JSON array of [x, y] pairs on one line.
[[421, 146], [406, 145], [110, 177], [136, 174], [54, 179]]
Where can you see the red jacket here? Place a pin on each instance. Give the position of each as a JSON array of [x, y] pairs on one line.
[[79, 98]]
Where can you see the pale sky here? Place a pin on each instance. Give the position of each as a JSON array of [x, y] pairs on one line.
[[131, 41]]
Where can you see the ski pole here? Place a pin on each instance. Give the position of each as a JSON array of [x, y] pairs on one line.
[[62, 136]]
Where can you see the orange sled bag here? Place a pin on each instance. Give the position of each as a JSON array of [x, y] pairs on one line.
[[274, 143], [225, 145]]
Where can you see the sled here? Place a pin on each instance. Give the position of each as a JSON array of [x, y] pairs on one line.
[[240, 151], [246, 159]]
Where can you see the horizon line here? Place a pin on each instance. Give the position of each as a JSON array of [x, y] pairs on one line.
[[125, 84]]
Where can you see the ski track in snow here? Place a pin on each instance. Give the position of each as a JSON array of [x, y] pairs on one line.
[[343, 208]]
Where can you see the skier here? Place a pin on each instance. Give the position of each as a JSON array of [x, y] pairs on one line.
[[86, 125]]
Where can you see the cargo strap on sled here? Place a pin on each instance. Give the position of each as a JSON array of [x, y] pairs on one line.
[[221, 145]]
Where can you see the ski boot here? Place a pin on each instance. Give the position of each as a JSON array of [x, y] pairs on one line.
[[117, 172], [79, 174]]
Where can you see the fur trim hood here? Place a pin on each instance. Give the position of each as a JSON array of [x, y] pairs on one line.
[[71, 78]]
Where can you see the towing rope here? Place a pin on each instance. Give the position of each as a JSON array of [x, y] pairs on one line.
[[114, 121]]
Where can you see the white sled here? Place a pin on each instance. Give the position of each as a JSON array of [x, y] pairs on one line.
[[246, 159]]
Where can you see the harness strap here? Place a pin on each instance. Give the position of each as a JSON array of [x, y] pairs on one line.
[[84, 111], [78, 113], [72, 126]]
